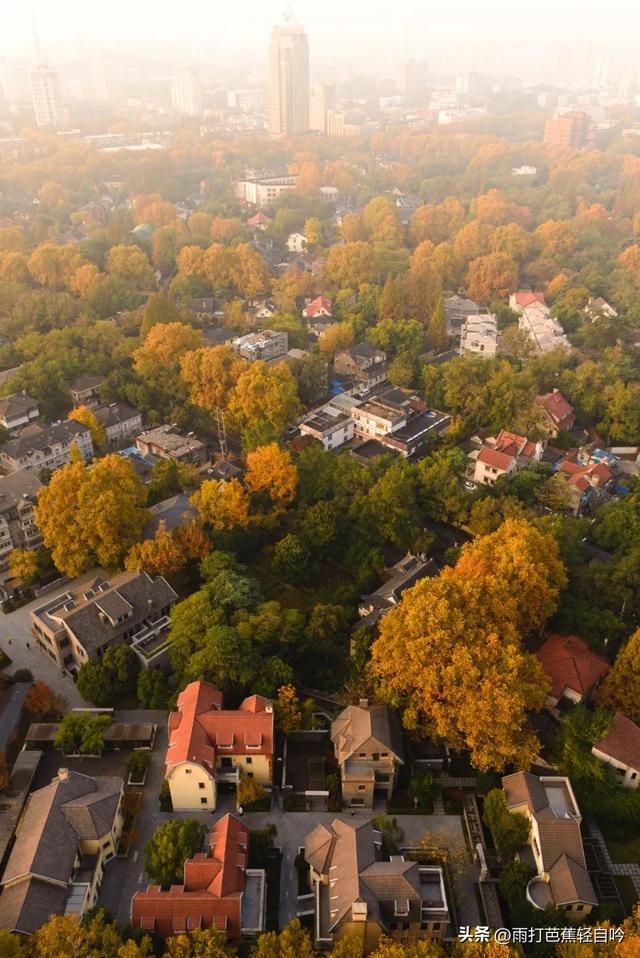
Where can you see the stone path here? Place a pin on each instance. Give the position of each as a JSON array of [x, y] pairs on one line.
[[457, 781], [438, 805], [630, 869]]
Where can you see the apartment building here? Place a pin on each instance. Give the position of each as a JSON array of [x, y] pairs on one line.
[[267, 344], [479, 335], [120, 422], [37, 447], [18, 529], [18, 410]]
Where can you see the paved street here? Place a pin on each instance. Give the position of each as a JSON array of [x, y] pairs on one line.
[[18, 642]]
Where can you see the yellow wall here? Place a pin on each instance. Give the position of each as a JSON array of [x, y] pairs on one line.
[[186, 795]]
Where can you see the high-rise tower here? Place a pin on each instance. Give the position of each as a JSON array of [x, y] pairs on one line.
[[288, 108]]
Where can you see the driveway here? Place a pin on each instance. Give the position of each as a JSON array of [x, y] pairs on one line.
[[16, 639]]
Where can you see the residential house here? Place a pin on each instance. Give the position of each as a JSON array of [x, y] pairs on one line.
[[174, 513], [68, 832], [318, 315], [218, 336], [329, 425], [457, 309], [357, 894], [543, 330], [573, 670], [503, 456], [318, 309], [120, 422], [266, 345], [210, 745], [296, 242], [557, 413], [479, 334], [263, 311], [224, 471], [17, 410], [363, 363], [522, 300], [620, 747], [368, 748], [37, 447], [404, 574], [170, 442], [77, 626], [85, 391], [599, 308], [18, 529], [588, 485], [562, 880], [260, 221], [203, 304], [218, 890]]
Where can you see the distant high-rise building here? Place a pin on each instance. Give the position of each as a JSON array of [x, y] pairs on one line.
[[322, 98], [568, 131], [186, 91], [414, 77], [288, 109], [601, 71], [45, 93], [14, 75]]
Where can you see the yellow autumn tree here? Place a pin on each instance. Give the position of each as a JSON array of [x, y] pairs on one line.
[[451, 655], [53, 266], [131, 265], [222, 505], [14, 267], [88, 418], [271, 472], [264, 393], [164, 346], [169, 552], [91, 515], [210, 373]]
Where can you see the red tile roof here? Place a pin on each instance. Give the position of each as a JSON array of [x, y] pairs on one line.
[[569, 663], [492, 457], [318, 305], [622, 742], [260, 219], [524, 299], [212, 890], [559, 409], [584, 477], [201, 727]]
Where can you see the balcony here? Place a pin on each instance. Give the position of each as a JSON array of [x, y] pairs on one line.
[[228, 773]]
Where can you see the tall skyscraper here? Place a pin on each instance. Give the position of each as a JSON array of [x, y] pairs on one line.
[[288, 108], [322, 97], [186, 91], [45, 93]]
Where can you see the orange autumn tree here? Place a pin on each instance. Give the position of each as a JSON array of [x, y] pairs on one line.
[[222, 505], [451, 655]]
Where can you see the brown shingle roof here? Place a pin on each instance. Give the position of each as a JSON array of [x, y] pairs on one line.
[[622, 742], [357, 725]]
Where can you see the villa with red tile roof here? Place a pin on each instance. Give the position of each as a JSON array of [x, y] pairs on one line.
[[557, 413], [572, 669], [219, 890], [503, 456], [587, 483], [620, 747], [318, 308], [209, 745], [260, 221], [523, 299]]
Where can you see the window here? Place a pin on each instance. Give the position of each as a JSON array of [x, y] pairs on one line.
[[187, 771], [384, 755], [435, 926], [249, 774], [362, 754], [249, 760], [376, 756], [634, 775], [203, 801], [361, 788], [579, 907], [200, 784]]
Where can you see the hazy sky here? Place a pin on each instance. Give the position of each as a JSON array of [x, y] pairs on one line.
[[494, 30]]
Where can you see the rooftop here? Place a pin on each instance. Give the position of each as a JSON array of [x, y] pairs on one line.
[[622, 742], [570, 663]]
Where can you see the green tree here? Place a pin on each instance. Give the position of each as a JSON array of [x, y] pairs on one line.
[[151, 690], [82, 733], [169, 847], [509, 830], [423, 788], [292, 559], [110, 678], [250, 791]]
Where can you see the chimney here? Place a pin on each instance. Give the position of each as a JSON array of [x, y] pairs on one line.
[[363, 703], [63, 774]]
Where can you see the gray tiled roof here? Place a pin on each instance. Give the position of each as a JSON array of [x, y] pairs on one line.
[[27, 905], [15, 487], [36, 437]]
